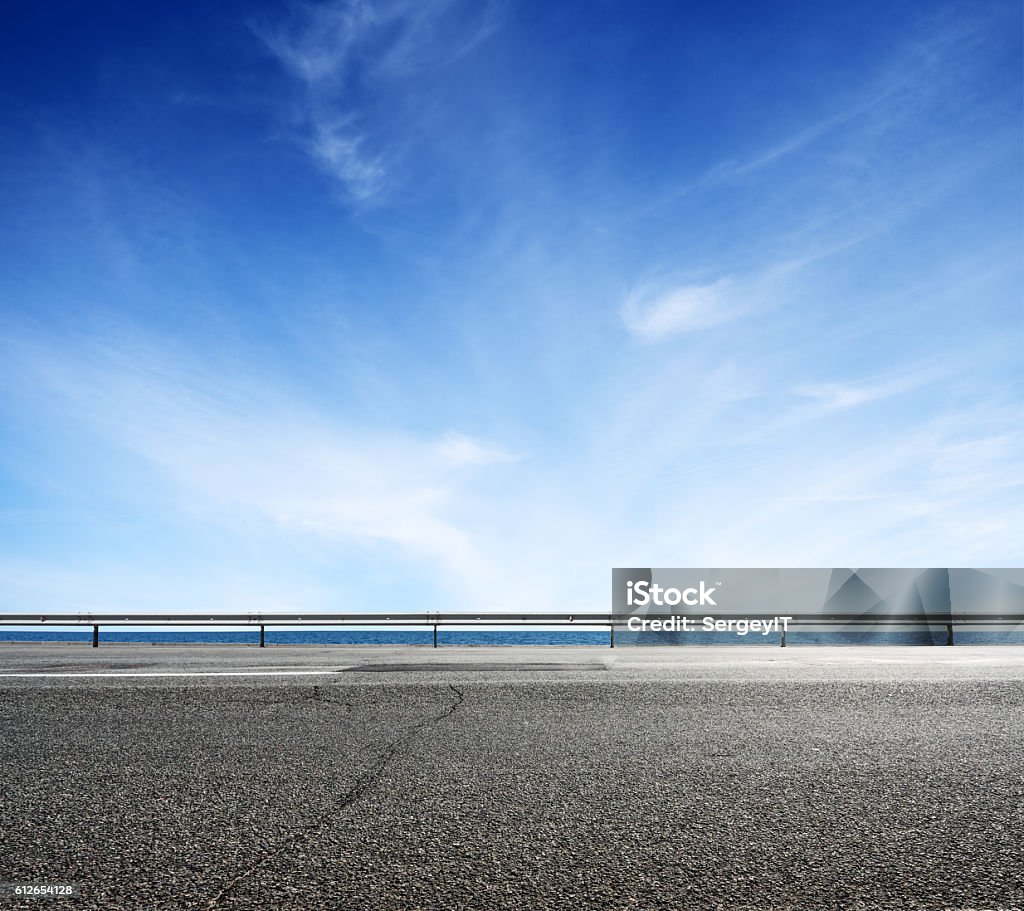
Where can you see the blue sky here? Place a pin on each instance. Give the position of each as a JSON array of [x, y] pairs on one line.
[[439, 304]]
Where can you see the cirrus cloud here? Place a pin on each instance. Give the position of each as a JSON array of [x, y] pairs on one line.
[[657, 310]]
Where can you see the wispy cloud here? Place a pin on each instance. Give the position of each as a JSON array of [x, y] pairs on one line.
[[339, 149], [823, 188], [667, 306], [934, 492], [655, 311], [317, 41], [830, 397], [347, 52], [927, 66], [701, 474], [241, 453]]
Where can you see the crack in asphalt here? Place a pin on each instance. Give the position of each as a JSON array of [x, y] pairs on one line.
[[318, 695], [360, 788]]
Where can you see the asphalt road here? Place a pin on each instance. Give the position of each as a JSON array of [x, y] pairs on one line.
[[520, 779]]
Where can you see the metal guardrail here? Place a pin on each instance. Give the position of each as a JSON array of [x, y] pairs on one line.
[[435, 620]]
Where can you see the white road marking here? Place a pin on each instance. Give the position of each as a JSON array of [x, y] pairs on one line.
[[185, 674]]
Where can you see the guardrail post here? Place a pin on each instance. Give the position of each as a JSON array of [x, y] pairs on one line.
[[435, 635], [263, 643], [782, 643], [949, 634], [611, 634], [96, 635]]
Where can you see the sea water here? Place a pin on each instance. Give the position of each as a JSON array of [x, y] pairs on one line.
[[933, 636]]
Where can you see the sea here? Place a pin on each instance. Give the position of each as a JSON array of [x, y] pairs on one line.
[[157, 636]]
